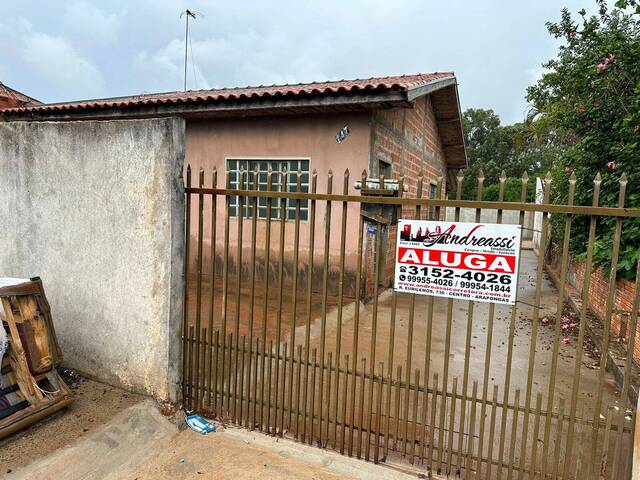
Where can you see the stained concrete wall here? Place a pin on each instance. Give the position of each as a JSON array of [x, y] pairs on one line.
[[96, 210]]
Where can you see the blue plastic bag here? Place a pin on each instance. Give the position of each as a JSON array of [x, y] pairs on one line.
[[199, 424]]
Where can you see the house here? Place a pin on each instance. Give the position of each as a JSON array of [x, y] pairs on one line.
[[10, 98], [400, 125]]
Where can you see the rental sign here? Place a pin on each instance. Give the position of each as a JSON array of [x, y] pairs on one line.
[[470, 261]]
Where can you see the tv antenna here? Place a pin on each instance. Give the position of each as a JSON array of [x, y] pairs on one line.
[[187, 14]]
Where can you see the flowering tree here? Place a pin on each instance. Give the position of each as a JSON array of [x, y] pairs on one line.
[[590, 99]]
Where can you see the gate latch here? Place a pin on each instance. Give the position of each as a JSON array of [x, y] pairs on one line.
[[382, 213]]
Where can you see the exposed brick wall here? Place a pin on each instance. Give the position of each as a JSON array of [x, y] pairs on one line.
[[598, 295], [8, 102], [408, 139]]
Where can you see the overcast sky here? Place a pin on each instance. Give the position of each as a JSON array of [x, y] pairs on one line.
[[70, 50]]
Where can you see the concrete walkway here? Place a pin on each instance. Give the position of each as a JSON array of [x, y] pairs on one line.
[[141, 444]]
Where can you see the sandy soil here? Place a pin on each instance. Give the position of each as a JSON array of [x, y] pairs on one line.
[[234, 454], [94, 406]]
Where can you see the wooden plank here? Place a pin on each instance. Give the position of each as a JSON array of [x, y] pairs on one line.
[[18, 360]]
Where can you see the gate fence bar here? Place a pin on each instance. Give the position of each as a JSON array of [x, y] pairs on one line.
[[267, 319]]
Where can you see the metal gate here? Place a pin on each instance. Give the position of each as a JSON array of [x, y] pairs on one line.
[[282, 337]]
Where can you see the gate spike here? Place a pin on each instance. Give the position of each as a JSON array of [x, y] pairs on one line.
[[598, 178], [345, 191], [364, 173], [623, 179], [623, 189], [547, 180], [572, 177], [503, 176], [525, 177], [459, 179], [269, 181], [480, 176]]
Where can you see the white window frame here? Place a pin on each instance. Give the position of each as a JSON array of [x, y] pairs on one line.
[[249, 165]]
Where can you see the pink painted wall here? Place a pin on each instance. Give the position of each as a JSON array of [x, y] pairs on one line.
[[210, 142]]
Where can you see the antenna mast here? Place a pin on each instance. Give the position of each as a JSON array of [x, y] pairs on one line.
[[187, 13]]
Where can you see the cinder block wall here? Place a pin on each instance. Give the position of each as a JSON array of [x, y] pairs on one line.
[[96, 209]]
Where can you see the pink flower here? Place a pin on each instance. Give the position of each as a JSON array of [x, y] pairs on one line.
[[611, 165], [606, 62], [565, 341], [568, 169], [580, 109], [573, 34]]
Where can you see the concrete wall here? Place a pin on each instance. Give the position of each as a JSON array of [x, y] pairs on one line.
[[96, 210], [491, 216]]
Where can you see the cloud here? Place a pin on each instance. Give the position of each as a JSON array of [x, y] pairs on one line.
[[53, 60], [88, 48], [91, 24]]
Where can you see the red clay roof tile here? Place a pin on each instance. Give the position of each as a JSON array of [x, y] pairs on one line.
[[373, 84]]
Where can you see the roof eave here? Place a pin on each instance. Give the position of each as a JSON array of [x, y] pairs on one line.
[[455, 153], [221, 109], [429, 87]]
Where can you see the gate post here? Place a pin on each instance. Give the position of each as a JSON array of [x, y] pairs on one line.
[[635, 471]]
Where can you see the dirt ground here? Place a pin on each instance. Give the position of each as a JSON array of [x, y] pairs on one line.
[[95, 404], [234, 454], [258, 308]]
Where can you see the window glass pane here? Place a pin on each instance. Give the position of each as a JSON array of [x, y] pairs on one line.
[[279, 182]]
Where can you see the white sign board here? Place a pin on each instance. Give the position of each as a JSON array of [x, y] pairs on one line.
[[470, 261]]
